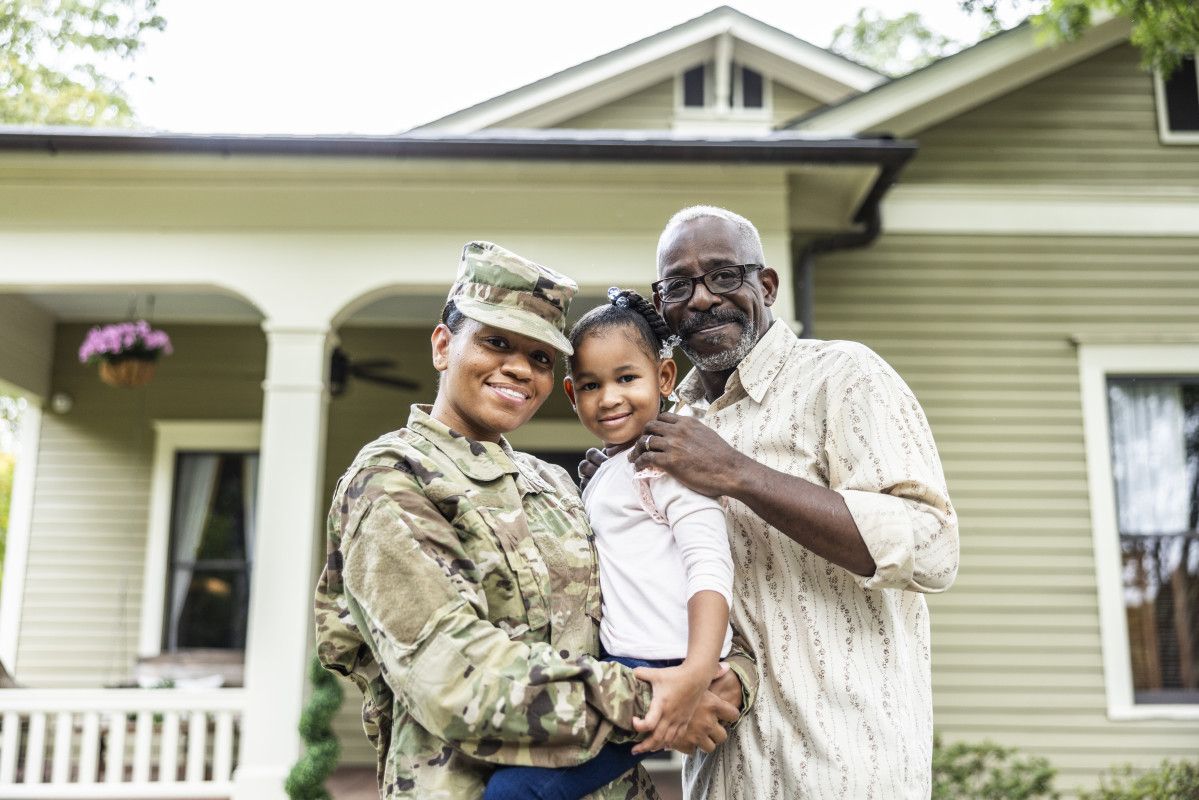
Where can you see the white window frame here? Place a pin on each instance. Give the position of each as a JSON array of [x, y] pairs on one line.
[[1164, 133], [1097, 362], [171, 437]]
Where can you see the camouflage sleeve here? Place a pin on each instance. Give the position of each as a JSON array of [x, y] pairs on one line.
[[461, 677], [742, 662]]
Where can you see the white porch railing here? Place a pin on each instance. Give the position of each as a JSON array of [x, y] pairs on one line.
[[118, 743]]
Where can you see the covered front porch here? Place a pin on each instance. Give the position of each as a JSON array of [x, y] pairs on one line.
[[142, 578], [262, 257]]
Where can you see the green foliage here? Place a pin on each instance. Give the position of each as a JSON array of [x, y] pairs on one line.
[[307, 778], [988, 772], [1163, 30], [58, 58], [1168, 781], [892, 46]]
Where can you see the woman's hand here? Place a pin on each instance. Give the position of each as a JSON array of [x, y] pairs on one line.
[[678, 693]]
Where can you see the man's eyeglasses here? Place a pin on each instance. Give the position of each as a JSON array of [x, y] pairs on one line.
[[721, 280]]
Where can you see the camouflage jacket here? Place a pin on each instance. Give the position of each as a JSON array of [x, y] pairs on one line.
[[461, 595]]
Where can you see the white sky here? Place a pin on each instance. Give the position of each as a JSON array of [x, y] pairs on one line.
[[370, 66]]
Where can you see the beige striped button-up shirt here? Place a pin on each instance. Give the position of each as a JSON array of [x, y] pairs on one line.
[[844, 708]]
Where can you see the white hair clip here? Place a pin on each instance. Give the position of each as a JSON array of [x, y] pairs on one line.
[[617, 297], [669, 345]]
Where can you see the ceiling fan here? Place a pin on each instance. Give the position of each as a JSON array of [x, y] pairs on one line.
[[374, 370]]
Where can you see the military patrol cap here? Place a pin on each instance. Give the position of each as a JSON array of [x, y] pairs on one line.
[[499, 288]]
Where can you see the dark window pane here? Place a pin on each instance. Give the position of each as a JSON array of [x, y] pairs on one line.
[[693, 87], [1182, 98], [1161, 597], [215, 609], [211, 549], [1155, 464], [751, 88]]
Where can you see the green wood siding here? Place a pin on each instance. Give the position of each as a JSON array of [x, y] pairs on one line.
[[788, 103], [1091, 124], [980, 328], [648, 109]]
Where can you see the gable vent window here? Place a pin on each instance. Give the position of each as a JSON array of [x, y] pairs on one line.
[[747, 88], [751, 88], [1178, 104], [693, 87]]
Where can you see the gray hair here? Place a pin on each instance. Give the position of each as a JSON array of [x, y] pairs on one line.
[[748, 239]]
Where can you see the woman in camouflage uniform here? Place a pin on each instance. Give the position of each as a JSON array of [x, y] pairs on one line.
[[461, 591]]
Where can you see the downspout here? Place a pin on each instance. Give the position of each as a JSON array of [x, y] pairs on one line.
[[869, 219]]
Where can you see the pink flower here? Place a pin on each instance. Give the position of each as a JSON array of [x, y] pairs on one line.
[[136, 339]]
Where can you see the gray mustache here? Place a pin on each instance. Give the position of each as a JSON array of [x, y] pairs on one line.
[[707, 319]]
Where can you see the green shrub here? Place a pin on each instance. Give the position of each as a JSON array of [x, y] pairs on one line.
[[1177, 780], [306, 781], [988, 772]]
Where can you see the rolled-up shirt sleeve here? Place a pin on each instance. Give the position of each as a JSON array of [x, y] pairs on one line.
[[461, 677], [882, 460]]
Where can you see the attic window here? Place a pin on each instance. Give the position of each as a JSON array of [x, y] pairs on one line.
[[1178, 105], [747, 88], [751, 87], [693, 87]]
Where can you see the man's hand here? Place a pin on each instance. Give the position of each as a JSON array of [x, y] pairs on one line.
[[690, 452], [592, 461], [719, 705]]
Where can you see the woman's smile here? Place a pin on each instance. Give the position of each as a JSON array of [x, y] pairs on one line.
[[510, 393]]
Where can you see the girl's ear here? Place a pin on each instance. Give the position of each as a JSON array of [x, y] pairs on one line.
[[441, 339], [667, 372], [568, 386]]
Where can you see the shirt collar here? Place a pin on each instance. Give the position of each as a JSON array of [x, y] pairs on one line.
[[756, 371], [759, 369], [479, 461]]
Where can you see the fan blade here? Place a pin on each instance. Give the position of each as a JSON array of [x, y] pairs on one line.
[[376, 363]]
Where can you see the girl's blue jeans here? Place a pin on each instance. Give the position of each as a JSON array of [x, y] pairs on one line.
[[570, 783]]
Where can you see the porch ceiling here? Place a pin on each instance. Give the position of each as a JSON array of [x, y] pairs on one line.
[[106, 306]]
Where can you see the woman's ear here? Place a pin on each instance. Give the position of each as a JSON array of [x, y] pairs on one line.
[[568, 386], [441, 338], [667, 372]]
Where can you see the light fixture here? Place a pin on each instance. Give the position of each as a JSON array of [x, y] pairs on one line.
[[61, 403]]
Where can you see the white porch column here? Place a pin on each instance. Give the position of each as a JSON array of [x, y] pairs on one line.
[[289, 509]]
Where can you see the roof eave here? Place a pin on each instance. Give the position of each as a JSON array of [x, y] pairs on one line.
[[764, 150]]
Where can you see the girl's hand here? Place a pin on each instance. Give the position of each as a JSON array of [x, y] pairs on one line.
[[677, 692]]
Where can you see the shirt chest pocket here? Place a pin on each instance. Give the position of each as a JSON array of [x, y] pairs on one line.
[[512, 569]]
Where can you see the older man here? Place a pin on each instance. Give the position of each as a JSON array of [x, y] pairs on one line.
[[839, 517]]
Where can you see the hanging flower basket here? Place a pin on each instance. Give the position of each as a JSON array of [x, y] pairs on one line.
[[127, 372], [126, 352]]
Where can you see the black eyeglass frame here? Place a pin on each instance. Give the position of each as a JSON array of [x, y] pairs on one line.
[[656, 286]]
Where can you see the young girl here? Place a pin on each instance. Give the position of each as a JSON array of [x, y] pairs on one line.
[[666, 574]]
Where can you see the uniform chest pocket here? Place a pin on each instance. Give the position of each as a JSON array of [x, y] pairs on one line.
[[510, 532]]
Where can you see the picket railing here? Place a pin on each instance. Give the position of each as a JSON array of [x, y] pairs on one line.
[[118, 743]]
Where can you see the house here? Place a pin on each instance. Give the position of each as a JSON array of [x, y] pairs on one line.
[[1036, 254]]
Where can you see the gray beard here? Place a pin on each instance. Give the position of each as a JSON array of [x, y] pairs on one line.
[[726, 359]]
